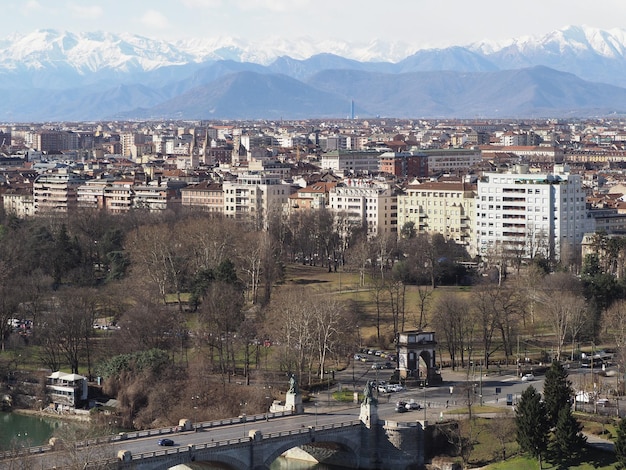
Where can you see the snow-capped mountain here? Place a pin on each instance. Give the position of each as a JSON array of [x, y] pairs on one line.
[[50, 74], [570, 49]]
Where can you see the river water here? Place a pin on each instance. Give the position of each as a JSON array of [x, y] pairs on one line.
[[18, 430]]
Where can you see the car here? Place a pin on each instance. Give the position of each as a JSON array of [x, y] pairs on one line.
[[388, 365], [166, 442], [528, 377], [413, 405], [603, 402], [397, 387], [401, 407]]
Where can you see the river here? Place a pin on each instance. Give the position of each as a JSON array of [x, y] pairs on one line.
[[18, 430]]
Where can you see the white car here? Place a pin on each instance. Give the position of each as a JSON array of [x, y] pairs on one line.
[[603, 402], [528, 377], [413, 405]]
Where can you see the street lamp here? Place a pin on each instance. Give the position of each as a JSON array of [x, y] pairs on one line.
[[194, 403], [243, 417], [315, 405]]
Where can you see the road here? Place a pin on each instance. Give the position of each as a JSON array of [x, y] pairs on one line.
[[453, 393], [437, 402]]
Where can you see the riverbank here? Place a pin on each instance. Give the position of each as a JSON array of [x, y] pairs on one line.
[[45, 413]]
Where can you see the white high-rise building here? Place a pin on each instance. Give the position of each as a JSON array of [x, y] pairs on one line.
[[255, 197], [526, 214]]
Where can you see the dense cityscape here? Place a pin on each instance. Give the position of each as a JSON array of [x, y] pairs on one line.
[[434, 176]]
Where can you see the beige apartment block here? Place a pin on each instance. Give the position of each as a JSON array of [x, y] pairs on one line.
[[446, 208], [206, 196]]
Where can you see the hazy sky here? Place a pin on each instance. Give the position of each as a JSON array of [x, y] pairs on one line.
[[426, 23]]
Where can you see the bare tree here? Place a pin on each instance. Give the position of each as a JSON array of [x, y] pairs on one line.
[[358, 256], [160, 256], [565, 315], [453, 320], [502, 427], [424, 294], [291, 325], [615, 325], [498, 309], [330, 320], [220, 316], [69, 325], [9, 302]]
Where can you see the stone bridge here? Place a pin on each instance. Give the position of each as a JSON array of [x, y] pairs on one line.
[[350, 444], [343, 440]]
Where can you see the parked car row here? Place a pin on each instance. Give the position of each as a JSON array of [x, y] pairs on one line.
[[389, 388], [381, 365], [378, 353]]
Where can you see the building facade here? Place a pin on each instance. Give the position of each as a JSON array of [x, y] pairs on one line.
[[366, 204], [56, 191], [255, 197], [527, 214], [351, 162], [447, 208]]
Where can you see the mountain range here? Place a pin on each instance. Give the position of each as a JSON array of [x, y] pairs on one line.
[[51, 75]]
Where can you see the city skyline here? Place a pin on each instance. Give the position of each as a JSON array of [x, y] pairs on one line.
[[420, 23]]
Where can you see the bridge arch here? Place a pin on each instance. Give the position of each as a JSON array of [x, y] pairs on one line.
[[229, 460], [349, 447]]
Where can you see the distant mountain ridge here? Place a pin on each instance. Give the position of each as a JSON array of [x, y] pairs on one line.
[[52, 75]]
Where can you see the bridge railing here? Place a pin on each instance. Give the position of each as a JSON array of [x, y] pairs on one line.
[[123, 436], [228, 442], [25, 451]]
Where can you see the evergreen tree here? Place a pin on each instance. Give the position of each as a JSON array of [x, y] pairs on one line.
[[531, 424], [620, 444], [557, 391], [568, 442]]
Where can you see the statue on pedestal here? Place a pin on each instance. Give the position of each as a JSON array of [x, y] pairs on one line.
[[293, 398], [293, 385], [368, 394]]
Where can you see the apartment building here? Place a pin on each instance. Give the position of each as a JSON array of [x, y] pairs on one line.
[[55, 141], [207, 196], [545, 153], [315, 196], [450, 160], [150, 197], [56, 191], [447, 208], [19, 201], [528, 214], [255, 196], [404, 164], [362, 202], [90, 195], [351, 162]]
